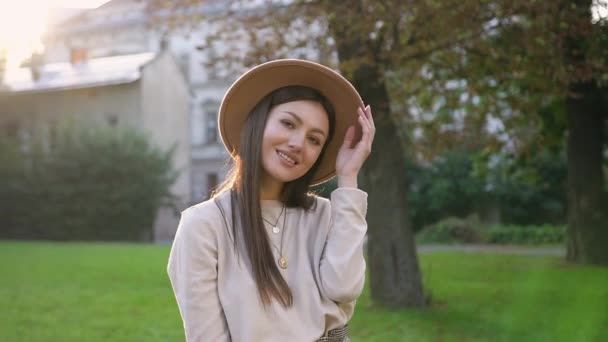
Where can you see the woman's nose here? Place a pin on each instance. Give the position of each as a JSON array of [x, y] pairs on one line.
[[296, 141]]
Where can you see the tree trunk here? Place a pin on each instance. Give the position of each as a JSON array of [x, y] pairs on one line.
[[587, 234], [394, 268], [587, 218], [393, 262], [395, 276]]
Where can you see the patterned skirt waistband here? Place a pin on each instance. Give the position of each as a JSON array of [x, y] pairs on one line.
[[336, 335]]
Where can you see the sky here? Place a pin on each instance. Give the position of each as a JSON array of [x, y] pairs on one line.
[[23, 22]]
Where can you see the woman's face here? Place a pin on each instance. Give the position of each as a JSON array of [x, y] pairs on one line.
[[294, 136]]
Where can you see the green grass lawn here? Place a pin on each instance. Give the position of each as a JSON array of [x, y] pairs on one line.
[[120, 292]]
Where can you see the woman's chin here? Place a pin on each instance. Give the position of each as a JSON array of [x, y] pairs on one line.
[[285, 177]]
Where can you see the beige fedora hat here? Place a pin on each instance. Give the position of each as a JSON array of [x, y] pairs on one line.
[[265, 78]]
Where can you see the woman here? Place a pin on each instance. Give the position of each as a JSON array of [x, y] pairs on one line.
[[264, 260]]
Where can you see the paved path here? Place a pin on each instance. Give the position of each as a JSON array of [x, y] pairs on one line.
[[522, 250]]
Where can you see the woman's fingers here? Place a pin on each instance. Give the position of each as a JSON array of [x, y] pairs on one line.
[[349, 137], [363, 115], [368, 112], [363, 119], [366, 130]]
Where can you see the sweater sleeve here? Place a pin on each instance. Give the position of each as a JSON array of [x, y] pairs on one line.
[[192, 270], [342, 266]]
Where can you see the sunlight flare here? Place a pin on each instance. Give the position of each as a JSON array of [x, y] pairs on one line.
[[22, 24]]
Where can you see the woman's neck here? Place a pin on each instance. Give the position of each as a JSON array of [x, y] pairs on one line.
[[270, 190]]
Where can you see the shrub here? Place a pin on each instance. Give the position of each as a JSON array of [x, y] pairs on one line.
[[533, 235], [99, 183], [457, 230], [452, 230], [456, 183], [445, 188], [11, 186]]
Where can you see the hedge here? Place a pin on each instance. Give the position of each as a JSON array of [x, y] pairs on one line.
[[469, 230], [92, 183]]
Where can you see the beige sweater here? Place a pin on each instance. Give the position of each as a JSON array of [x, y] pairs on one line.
[[215, 291]]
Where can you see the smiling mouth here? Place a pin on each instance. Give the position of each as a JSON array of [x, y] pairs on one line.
[[286, 158]]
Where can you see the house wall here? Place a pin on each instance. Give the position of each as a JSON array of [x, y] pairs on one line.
[[38, 113], [121, 26], [165, 112], [156, 104]]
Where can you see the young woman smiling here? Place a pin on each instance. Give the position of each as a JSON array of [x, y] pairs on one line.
[[265, 260]]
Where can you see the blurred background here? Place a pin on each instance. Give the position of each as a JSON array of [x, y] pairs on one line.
[[488, 199]]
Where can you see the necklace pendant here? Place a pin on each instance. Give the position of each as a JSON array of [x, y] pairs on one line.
[[276, 229], [283, 262]]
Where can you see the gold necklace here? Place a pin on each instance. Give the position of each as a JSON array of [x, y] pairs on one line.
[[275, 228], [282, 260]]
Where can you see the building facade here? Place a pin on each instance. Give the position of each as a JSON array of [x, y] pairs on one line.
[[124, 27], [142, 91]]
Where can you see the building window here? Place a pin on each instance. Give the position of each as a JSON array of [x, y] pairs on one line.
[[201, 187], [198, 191], [211, 134], [211, 127], [212, 182], [197, 128]]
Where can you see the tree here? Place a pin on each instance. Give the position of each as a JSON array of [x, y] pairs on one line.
[[587, 108], [556, 53], [504, 55], [545, 53]]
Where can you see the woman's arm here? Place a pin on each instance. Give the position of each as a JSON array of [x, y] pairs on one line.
[[192, 270], [342, 266]]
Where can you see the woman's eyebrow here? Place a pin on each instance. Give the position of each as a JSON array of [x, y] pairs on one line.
[[297, 118]]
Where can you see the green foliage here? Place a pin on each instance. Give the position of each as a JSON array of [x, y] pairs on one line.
[[459, 183], [532, 235], [12, 175], [91, 183], [444, 188], [530, 190], [451, 230], [457, 230]]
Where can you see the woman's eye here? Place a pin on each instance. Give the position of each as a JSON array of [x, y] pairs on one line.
[[314, 140], [287, 123]]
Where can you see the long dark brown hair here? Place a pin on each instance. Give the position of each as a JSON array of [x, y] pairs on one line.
[[243, 183]]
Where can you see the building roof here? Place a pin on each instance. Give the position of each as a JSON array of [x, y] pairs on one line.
[[140, 13], [59, 15], [63, 76]]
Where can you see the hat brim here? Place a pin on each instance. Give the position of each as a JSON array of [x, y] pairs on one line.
[[265, 78]]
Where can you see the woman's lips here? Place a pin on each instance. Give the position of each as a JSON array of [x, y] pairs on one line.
[[286, 160]]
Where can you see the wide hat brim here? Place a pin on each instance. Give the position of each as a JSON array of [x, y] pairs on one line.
[[265, 78]]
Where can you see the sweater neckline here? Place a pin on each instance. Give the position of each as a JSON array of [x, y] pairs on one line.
[[271, 204]]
